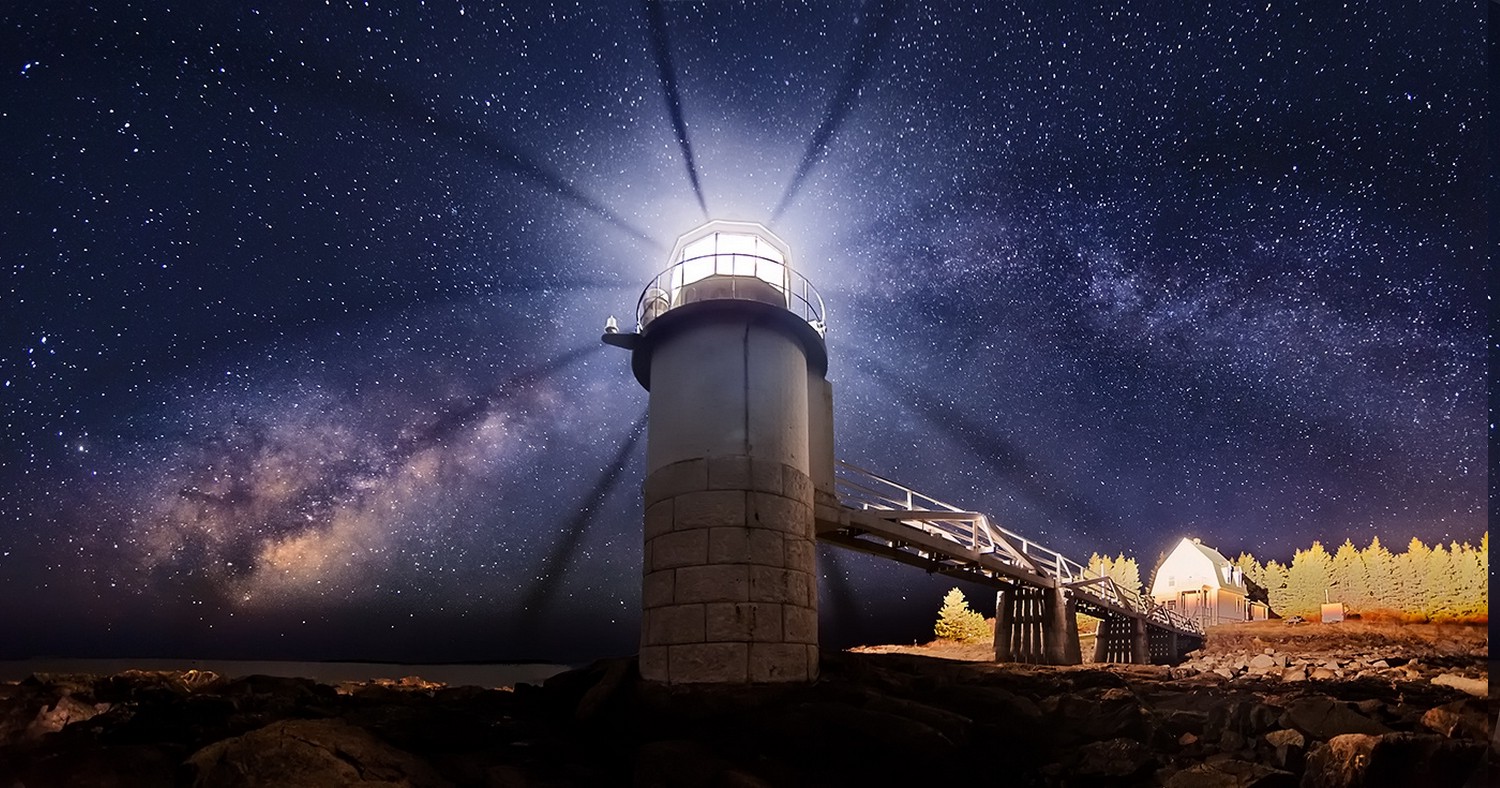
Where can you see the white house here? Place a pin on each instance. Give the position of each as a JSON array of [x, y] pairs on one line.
[[1198, 582]]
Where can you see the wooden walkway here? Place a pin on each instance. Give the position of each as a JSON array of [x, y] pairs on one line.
[[1038, 588]]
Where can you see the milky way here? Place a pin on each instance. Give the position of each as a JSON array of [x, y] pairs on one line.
[[299, 340]]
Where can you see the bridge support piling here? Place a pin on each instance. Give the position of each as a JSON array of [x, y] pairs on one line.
[[1003, 627], [1060, 640], [1036, 626], [1140, 642]]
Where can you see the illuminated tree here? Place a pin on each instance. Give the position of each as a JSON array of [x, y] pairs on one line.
[[1408, 579], [1275, 575], [1482, 555], [1350, 583], [1126, 573], [1379, 566], [1440, 585], [1308, 580], [1251, 568], [957, 622]]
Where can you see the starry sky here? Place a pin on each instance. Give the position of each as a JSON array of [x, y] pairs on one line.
[[300, 302]]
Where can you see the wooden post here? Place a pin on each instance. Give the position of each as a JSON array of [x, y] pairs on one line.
[[1003, 627], [1059, 628], [1140, 644]]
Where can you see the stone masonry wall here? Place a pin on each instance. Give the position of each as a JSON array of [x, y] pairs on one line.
[[730, 586]]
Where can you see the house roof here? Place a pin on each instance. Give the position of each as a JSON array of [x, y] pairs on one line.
[[1222, 565]]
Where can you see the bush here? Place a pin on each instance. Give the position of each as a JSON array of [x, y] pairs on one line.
[[957, 622]]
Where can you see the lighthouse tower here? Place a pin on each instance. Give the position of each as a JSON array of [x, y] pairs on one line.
[[730, 346]]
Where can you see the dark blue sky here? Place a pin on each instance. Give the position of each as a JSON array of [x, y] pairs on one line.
[[298, 345]]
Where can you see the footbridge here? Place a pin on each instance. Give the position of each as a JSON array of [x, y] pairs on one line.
[[1038, 589]]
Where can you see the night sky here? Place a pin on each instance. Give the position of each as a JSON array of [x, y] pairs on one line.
[[300, 304]]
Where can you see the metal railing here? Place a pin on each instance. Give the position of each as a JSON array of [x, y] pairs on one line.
[[858, 488], [745, 277]]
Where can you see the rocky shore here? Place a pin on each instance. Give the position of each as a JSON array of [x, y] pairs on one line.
[[1232, 718]]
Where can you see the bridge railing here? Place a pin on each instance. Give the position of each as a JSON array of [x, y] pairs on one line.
[[860, 488]]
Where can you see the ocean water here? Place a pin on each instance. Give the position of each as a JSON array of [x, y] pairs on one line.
[[324, 672]]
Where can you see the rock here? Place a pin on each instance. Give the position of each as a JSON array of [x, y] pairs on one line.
[[954, 727], [1232, 741], [1263, 661], [680, 763], [309, 752], [1461, 719], [1246, 717], [879, 735], [137, 684], [1286, 737], [1323, 674], [1114, 758], [1289, 748], [1225, 672], [1476, 687], [1187, 740], [1108, 717], [1380, 663], [1294, 674], [52, 719], [1394, 760], [1322, 717], [1231, 773], [617, 673]]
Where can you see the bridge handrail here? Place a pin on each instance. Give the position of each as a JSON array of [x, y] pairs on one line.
[[903, 497], [975, 531]]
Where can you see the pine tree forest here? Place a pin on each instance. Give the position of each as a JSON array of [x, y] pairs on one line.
[[1436, 582]]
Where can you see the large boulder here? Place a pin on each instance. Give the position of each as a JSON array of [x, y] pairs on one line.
[[1231, 773], [1322, 717], [1112, 714], [1114, 759], [1477, 687], [54, 718], [1463, 719], [1394, 760], [309, 753]]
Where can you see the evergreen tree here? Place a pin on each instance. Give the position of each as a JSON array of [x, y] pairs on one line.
[[1483, 556], [957, 622], [1408, 572], [1275, 575], [1126, 573], [1348, 576], [1308, 580], [1467, 580], [1251, 569], [1441, 583], [1380, 588]]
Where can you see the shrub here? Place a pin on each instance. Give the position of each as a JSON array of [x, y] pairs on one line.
[[959, 623]]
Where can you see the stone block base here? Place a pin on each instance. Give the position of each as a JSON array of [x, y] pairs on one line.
[[729, 592]]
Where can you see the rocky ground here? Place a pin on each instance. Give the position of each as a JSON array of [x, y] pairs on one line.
[[1255, 708]]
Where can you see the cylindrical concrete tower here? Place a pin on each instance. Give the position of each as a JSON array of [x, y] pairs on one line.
[[730, 346]]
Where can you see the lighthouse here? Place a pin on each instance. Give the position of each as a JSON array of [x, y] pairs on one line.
[[729, 342]]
